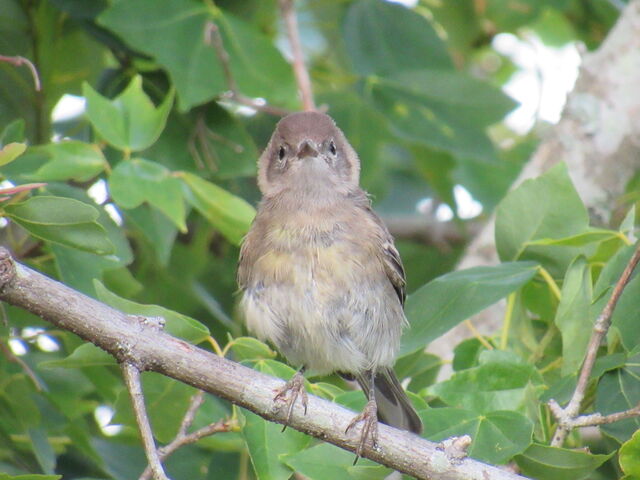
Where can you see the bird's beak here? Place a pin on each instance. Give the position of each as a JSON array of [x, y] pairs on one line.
[[307, 150]]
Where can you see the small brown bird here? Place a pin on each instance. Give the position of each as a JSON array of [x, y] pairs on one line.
[[320, 276]]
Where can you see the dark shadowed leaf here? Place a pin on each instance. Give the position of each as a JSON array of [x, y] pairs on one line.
[[174, 34], [135, 181], [619, 390], [383, 37]]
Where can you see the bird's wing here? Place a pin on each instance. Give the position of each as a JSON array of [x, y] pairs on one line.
[[389, 254]]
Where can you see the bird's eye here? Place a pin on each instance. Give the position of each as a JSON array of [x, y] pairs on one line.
[[332, 148], [281, 153]]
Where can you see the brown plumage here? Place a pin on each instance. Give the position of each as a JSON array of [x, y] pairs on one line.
[[320, 276]]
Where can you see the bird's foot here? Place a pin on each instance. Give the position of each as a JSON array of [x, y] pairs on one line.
[[290, 392], [369, 417]]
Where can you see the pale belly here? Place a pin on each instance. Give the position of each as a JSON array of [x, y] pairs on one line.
[[324, 308]]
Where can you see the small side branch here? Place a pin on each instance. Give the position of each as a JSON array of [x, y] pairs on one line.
[[131, 376], [566, 417], [300, 71], [183, 438], [18, 61], [213, 37]]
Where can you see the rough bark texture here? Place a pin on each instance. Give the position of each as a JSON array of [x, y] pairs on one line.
[[598, 138], [140, 342]]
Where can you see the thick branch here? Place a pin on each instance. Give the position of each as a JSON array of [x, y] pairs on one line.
[[147, 347], [567, 415]]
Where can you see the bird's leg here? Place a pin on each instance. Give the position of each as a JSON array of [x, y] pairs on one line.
[[292, 389], [369, 416]]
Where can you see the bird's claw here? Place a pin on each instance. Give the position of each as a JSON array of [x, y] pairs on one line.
[[292, 389], [369, 416]]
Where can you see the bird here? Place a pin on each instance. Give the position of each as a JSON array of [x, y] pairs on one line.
[[319, 275]]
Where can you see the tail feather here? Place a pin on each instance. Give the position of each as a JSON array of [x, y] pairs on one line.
[[394, 407]]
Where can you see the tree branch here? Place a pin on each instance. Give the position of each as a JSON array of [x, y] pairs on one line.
[[149, 348], [131, 376], [299, 70], [212, 37], [183, 438], [566, 417], [19, 61]]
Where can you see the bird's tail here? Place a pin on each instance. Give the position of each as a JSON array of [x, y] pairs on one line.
[[394, 407]]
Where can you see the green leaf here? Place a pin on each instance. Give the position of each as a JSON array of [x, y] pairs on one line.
[[62, 220], [328, 461], [584, 238], [229, 214], [446, 301], [626, 316], [13, 132], [11, 151], [4, 476], [167, 400], [156, 228], [629, 456], [497, 436], [550, 463], [572, 317], [138, 180], [445, 110], [547, 207], [130, 121], [421, 367], [246, 348], [502, 381], [619, 390], [173, 33], [176, 324], [42, 449], [266, 442], [68, 160], [86, 355], [375, 32]]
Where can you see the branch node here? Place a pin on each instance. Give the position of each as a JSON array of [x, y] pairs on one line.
[[7, 268], [455, 448]]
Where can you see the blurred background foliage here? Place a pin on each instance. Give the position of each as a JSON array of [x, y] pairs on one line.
[[135, 168]]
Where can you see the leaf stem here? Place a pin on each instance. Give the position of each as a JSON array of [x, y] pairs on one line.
[[508, 315], [553, 286]]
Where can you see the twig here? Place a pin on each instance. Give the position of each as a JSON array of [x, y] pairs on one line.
[[568, 415], [183, 438], [212, 37], [299, 69], [131, 376], [595, 418], [18, 61], [143, 344], [27, 369]]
